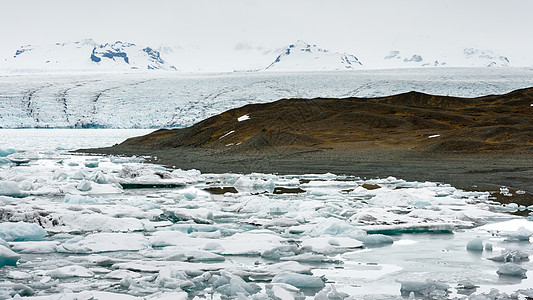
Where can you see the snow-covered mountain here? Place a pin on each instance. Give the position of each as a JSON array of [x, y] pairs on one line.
[[302, 56], [464, 57], [87, 55]]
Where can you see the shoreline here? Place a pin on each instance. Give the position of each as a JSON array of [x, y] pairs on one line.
[[470, 171]]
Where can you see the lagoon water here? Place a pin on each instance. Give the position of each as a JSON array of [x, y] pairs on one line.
[[183, 240]]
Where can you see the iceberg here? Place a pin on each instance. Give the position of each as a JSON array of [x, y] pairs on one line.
[[84, 186], [475, 245], [21, 231], [423, 288], [105, 242], [375, 239], [78, 199], [70, 271], [510, 256], [7, 151], [35, 247], [512, 269], [10, 188], [8, 257], [231, 286], [299, 280]]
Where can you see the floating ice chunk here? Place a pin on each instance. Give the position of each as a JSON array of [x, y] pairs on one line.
[[8, 151], [8, 257], [85, 295], [191, 172], [243, 118], [299, 280], [10, 188], [521, 234], [488, 246], [78, 199], [84, 222], [70, 271], [119, 274], [99, 178], [247, 182], [231, 285], [84, 186], [437, 227], [475, 245], [308, 258], [280, 252], [280, 293], [511, 269], [105, 242], [78, 175], [21, 231], [423, 288], [375, 239], [329, 245], [16, 290], [281, 222], [287, 266], [149, 176], [35, 247], [333, 226], [169, 296], [192, 193], [508, 226], [330, 292], [173, 278], [91, 164], [19, 275], [19, 158], [251, 243], [510, 256], [191, 228]]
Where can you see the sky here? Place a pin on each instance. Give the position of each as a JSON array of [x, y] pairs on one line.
[[353, 26]]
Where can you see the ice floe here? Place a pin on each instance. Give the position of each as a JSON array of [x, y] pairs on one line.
[[120, 224]]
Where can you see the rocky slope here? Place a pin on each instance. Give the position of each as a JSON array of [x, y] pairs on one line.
[[406, 121]]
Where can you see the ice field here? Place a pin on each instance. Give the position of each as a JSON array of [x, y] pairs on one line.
[[155, 100], [93, 227]]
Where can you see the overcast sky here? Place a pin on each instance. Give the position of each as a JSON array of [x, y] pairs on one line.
[[342, 25]]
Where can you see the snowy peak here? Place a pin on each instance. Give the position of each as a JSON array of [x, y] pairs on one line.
[[464, 57], [88, 55], [302, 56], [486, 57]]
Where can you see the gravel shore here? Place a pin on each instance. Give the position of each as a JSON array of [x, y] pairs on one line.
[[467, 171]]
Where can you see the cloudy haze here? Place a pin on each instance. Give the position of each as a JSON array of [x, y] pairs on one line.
[[207, 26]]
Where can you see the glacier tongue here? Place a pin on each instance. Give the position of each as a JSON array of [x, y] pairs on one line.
[[155, 100]]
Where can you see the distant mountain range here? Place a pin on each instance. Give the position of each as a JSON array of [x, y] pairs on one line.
[[88, 55], [300, 56]]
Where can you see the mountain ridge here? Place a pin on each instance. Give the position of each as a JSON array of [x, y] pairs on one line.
[[87, 54], [299, 56]]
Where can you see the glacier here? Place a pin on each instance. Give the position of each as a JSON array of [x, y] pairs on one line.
[[167, 99]]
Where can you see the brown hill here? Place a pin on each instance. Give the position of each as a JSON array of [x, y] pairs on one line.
[[473, 143], [407, 121]]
